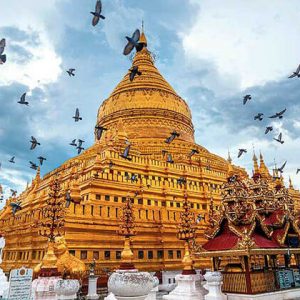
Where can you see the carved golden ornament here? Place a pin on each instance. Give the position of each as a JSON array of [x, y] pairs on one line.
[[187, 260], [126, 253], [49, 260]]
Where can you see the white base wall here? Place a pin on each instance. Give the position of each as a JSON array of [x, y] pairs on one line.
[[291, 294]]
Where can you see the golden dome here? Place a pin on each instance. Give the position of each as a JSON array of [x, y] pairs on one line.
[[148, 107]]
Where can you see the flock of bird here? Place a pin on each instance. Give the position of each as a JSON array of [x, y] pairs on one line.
[[278, 115], [133, 42]]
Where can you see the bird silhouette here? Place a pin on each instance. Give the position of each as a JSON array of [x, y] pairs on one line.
[[125, 154], [282, 167], [279, 139], [298, 170], [2, 47], [77, 115], [80, 142], [259, 117], [199, 218], [193, 152], [181, 180], [133, 42], [241, 152], [169, 158], [22, 100], [278, 114], [296, 73], [15, 206], [73, 143], [12, 160], [68, 199], [41, 159], [133, 72], [99, 131], [171, 138], [71, 72], [34, 143], [246, 98], [13, 193], [33, 166], [79, 149], [97, 13], [133, 178], [268, 129]]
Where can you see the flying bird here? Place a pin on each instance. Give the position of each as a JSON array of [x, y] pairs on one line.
[[12, 160], [279, 139], [199, 218], [282, 167], [15, 206], [193, 151], [126, 153], [73, 143], [80, 142], [77, 115], [298, 170], [41, 159], [68, 199], [33, 166], [268, 129], [181, 180], [296, 73], [133, 72], [71, 72], [132, 178], [99, 131], [34, 143], [241, 152], [13, 193], [173, 135], [79, 148], [278, 114], [169, 159], [133, 42], [97, 13], [2, 47], [246, 98], [259, 117], [22, 100]]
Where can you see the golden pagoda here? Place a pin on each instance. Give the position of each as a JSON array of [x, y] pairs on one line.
[[139, 116]]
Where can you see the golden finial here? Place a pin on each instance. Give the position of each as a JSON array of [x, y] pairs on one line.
[[229, 157], [143, 39], [186, 233], [291, 184]]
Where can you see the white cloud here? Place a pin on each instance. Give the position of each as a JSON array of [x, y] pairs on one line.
[[254, 41], [43, 66]]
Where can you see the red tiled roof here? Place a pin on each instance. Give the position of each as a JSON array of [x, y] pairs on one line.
[[263, 242]]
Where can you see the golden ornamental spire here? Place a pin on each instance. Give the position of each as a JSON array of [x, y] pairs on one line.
[[126, 229], [143, 39], [186, 233], [291, 184], [255, 164]]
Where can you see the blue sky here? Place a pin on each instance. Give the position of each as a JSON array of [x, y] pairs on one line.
[[211, 52]]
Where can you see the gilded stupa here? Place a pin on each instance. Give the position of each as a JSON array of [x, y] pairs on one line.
[[142, 114]]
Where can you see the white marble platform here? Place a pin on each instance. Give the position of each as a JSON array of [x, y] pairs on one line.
[[290, 294]]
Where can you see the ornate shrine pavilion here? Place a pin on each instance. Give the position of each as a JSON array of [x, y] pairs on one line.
[[254, 238], [142, 113]]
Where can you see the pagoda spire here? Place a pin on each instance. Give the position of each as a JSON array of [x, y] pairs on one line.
[[263, 170], [143, 39], [291, 184], [229, 159], [256, 169]]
